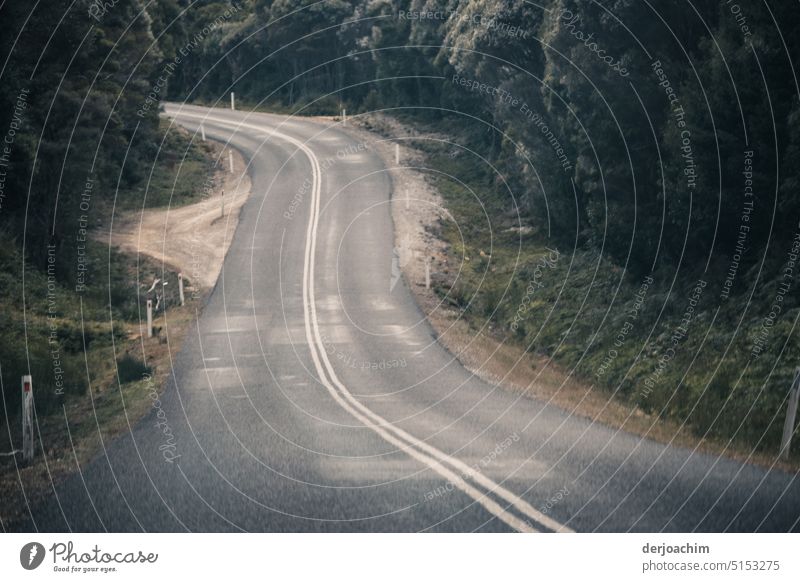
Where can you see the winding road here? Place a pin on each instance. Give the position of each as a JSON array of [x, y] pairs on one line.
[[313, 396]]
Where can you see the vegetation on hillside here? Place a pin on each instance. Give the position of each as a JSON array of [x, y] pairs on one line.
[[77, 148], [649, 144], [641, 141]]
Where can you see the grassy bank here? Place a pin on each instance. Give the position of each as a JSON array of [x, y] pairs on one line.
[[93, 367], [179, 173]]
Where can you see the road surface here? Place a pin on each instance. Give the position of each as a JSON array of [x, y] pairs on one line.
[[313, 396]]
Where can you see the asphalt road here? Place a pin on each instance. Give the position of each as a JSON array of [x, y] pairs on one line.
[[311, 397]]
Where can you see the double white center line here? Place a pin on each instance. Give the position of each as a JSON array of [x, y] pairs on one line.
[[515, 512]]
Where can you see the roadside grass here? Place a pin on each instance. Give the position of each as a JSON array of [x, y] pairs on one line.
[[107, 393], [86, 352], [180, 169]]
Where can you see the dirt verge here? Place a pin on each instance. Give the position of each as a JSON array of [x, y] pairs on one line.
[[193, 239]]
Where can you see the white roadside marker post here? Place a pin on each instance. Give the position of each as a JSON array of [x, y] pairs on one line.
[[791, 415], [230, 160], [149, 318], [180, 288], [427, 273], [397, 154], [233, 102], [344, 116], [27, 419], [203, 131]]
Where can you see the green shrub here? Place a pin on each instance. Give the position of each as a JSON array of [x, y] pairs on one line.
[[130, 369]]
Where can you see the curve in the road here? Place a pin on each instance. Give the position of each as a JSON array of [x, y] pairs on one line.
[[392, 434]]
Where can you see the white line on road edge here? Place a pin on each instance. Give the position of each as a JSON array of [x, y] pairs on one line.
[[389, 432]]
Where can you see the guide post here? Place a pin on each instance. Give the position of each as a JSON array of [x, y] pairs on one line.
[[27, 419]]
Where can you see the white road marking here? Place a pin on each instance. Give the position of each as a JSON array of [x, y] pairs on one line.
[[432, 457]]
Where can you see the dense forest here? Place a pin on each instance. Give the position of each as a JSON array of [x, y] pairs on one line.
[[687, 73], [662, 136], [77, 144]]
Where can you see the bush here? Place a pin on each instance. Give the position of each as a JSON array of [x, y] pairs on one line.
[[129, 369]]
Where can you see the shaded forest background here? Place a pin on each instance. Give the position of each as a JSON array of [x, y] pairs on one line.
[[635, 192]]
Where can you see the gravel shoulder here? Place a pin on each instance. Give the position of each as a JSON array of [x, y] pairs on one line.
[[192, 239]]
